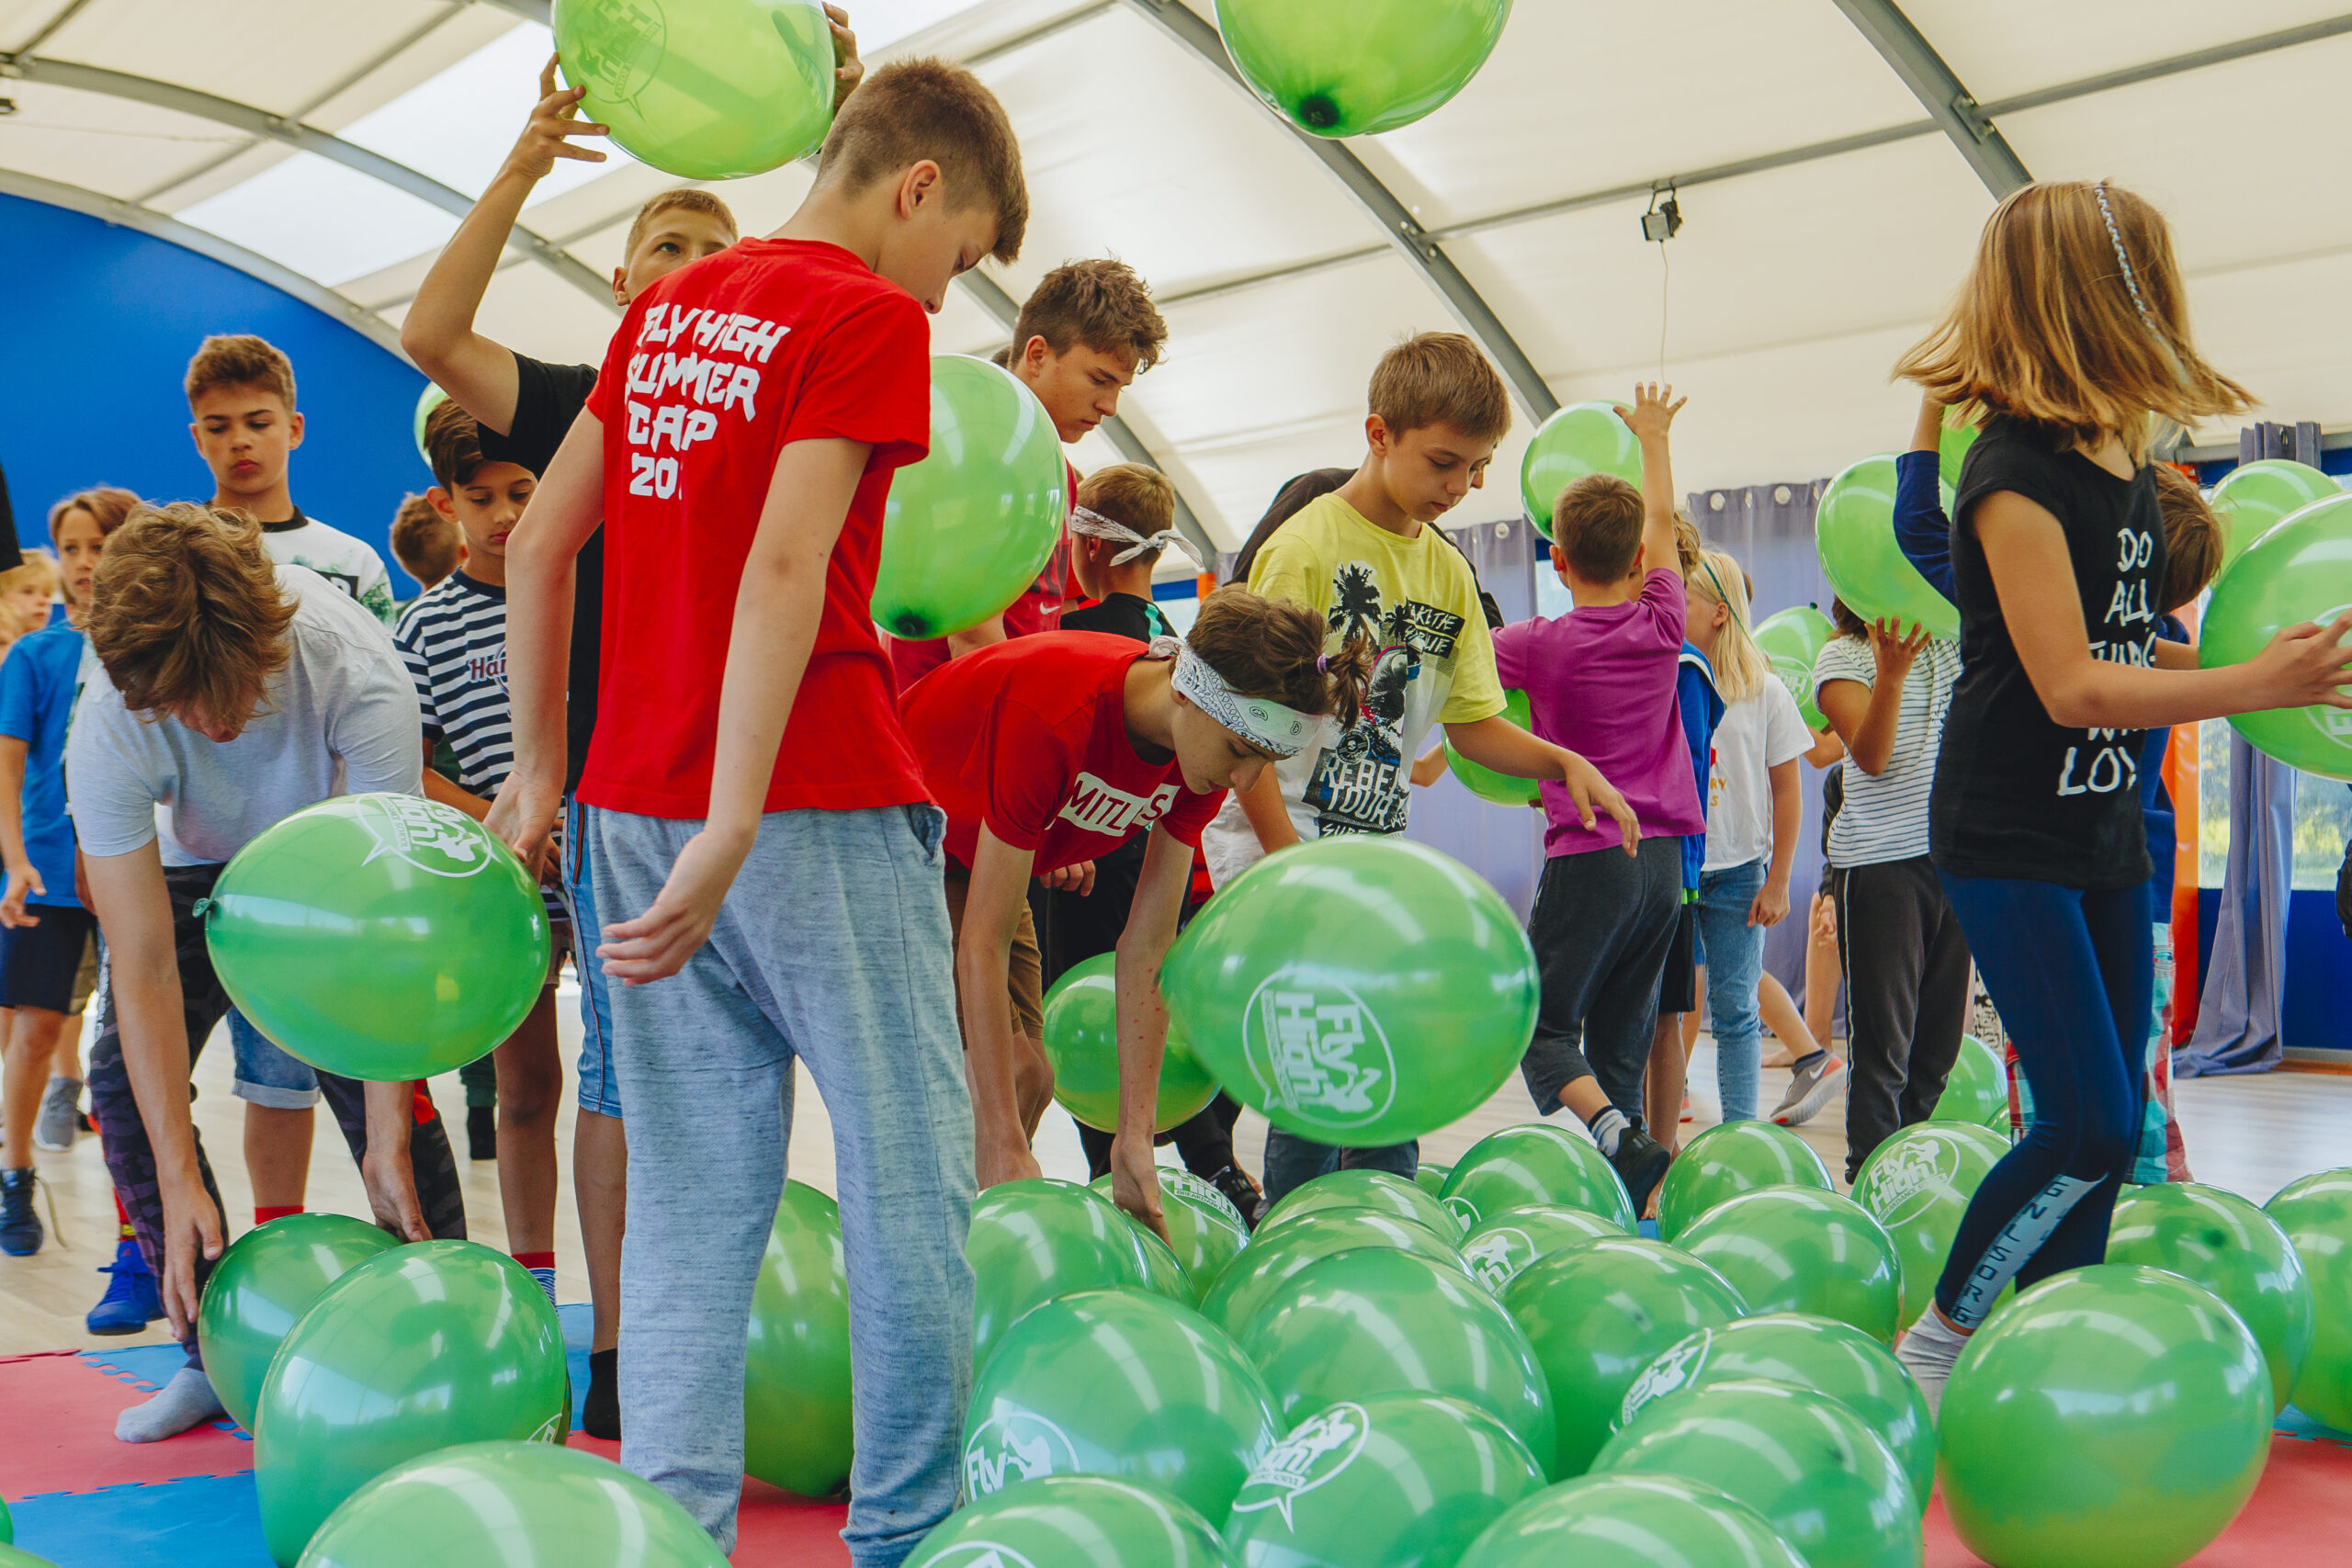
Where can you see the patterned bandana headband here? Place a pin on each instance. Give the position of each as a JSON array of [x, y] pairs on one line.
[[1262, 722], [1094, 526]]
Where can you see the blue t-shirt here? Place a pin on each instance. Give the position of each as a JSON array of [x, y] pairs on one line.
[[37, 683], [1701, 708]]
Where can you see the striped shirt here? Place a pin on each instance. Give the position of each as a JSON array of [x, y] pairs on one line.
[[453, 641], [1885, 817]]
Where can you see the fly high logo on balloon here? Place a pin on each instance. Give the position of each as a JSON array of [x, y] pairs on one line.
[[1358, 991], [382, 937]]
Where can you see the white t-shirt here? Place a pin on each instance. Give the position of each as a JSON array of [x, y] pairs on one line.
[[1886, 817], [351, 564], [1756, 735], [340, 718]]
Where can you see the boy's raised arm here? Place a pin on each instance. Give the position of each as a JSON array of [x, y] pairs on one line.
[[1653, 414]]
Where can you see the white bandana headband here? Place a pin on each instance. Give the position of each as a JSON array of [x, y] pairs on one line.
[[1264, 723], [1094, 526]]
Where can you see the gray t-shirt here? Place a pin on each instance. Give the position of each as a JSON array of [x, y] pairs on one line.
[[340, 718]]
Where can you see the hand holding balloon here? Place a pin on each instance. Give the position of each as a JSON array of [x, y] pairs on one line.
[[1134, 1184], [1893, 650], [385, 1170], [546, 135], [848, 69], [2305, 666]]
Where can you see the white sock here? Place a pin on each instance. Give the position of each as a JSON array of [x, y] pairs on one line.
[[546, 1276], [1608, 1127], [1928, 1349], [186, 1401]]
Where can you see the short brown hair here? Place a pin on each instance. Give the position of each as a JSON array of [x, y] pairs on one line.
[[2193, 543], [689, 199], [240, 360], [1597, 527], [108, 506], [425, 542], [914, 109], [187, 612], [1133, 494], [1103, 304], [452, 445], [1440, 378], [1273, 647]]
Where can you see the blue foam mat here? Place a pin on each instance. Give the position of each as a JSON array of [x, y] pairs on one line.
[[209, 1521], [579, 1322]]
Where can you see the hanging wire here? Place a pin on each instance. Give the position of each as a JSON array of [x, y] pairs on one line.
[[1664, 283]]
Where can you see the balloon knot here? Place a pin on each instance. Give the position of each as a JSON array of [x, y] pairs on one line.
[[198, 910], [1319, 111]]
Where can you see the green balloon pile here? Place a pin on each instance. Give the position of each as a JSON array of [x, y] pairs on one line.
[[1074, 1521], [1792, 641], [1918, 1185], [1488, 785], [1081, 1042], [1627, 1520], [260, 1289], [2299, 571], [1356, 990], [1536, 1162], [1257, 1279], [499, 1505], [702, 89], [1800, 1249], [796, 1366], [1854, 531], [2235, 1250], [415, 1349], [1204, 1228], [1034, 1240], [2316, 1215], [1361, 1189], [1430, 1177], [1497, 1249], [1724, 1161], [968, 529], [1362, 67], [1580, 439], [1978, 1090], [2109, 1366], [384, 937], [2256, 497]]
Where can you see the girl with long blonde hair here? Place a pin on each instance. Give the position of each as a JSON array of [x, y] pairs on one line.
[[2066, 341]]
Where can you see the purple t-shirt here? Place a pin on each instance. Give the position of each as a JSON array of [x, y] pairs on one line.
[[1600, 681]]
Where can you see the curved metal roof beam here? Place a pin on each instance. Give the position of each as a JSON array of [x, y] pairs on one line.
[[1404, 231], [303, 137], [1957, 114]]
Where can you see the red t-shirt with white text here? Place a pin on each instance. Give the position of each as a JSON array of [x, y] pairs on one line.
[[715, 370], [1029, 737]]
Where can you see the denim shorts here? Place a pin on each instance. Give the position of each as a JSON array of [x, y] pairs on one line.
[[600, 1090], [266, 1074]]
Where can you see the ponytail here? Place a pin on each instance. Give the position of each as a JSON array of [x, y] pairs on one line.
[[1741, 668], [1273, 648]]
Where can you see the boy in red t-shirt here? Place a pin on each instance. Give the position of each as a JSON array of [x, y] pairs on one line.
[[761, 840]]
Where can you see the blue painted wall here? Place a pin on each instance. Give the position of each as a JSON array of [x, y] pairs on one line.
[[99, 323]]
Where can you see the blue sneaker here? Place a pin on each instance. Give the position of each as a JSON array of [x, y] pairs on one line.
[[131, 1302], [20, 1231]]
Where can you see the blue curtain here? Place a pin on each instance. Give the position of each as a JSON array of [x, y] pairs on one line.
[[2239, 1020]]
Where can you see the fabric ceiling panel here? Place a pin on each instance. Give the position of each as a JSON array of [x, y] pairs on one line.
[[23, 19], [104, 144], [274, 55], [970, 32], [323, 219], [2271, 327], [2002, 48], [527, 310]]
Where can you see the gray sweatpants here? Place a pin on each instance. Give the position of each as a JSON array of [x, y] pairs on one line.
[[832, 948]]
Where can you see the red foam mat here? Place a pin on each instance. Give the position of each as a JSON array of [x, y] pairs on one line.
[[64, 1439], [775, 1529]]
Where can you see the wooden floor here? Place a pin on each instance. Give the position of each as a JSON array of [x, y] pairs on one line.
[[2250, 1134]]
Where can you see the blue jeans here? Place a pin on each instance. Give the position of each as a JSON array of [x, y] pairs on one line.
[[266, 1073], [831, 949], [1292, 1161], [1733, 952], [2072, 973], [599, 1090]]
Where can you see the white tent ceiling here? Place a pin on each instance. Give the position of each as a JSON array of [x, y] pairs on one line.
[[1833, 161]]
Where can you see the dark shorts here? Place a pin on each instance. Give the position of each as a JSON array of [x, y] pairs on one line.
[[1677, 987], [39, 964]]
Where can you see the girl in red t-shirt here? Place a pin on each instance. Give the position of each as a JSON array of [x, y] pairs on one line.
[[1047, 752]]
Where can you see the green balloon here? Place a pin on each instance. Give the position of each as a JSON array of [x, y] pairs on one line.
[[1382, 1321], [2316, 1215], [2253, 498], [1531, 1164], [17, 1557], [1485, 783], [2235, 1250], [427, 400], [418, 1349], [1119, 1382], [1597, 1316], [1724, 1161], [1163, 1272], [1800, 1249], [1361, 68], [7, 1524], [1081, 1042], [1361, 1189], [1951, 450], [2150, 1388], [2299, 571], [383, 937], [1918, 1185], [1580, 439], [508, 1505], [1978, 1090], [261, 1288], [1835, 1359], [1854, 530], [702, 89], [1390, 1480], [1497, 1249], [1259, 1278], [1792, 641], [1206, 1227], [969, 527], [1430, 1177], [1037, 1239], [1632, 1521], [1073, 1521], [1809, 1465], [796, 1367], [1357, 990]]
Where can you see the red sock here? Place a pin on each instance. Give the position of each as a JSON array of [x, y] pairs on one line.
[[263, 1214], [122, 1214], [535, 1260]]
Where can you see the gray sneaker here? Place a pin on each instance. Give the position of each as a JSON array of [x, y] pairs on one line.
[[60, 1115], [1809, 1090]]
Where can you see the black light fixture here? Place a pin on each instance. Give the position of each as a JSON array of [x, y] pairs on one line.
[[1664, 220]]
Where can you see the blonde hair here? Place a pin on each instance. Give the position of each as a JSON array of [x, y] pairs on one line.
[[108, 506], [2073, 318], [426, 544], [1739, 665], [187, 612], [1440, 378]]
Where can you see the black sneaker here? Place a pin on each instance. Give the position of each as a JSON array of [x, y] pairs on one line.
[[20, 1228], [1241, 1192], [482, 1131], [600, 1416], [1641, 1160]]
